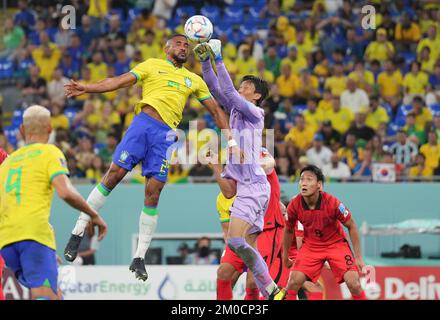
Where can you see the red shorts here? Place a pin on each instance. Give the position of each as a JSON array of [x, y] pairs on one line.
[[310, 261]]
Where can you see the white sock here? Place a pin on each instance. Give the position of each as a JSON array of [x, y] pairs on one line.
[[272, 287], [147, 226], [96, 200]]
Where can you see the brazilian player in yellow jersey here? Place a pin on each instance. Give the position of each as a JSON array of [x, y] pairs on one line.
[[166, 86], [27, 180]]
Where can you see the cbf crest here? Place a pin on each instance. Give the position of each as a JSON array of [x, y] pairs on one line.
[[188, 82]]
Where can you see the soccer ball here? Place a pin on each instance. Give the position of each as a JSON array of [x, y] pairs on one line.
[[198, 29]]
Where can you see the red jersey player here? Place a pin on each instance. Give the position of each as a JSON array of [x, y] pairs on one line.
[[269, 241], [3, 156], [322, 214]]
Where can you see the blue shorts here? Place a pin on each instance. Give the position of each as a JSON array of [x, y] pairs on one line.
[[33, 264], [149, 141]]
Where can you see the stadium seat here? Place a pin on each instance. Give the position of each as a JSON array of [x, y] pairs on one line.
[[400, 121], [403, 110], [435, 109], [408, 56], [11, 134], [6, 69], [234, 15], [211, 12], [133, 13], [256, 9], [70, 113], [300, 108], [248, 27], [17, 118], [185, 11]]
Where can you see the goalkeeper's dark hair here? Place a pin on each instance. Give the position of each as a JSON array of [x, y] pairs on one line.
[[261, 87], [315, 170]]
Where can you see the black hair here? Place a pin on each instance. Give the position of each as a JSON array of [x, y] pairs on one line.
[[261, 87], [315, 170]]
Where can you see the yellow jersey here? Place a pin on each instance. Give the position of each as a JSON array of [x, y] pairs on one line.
[[166, 88], [26, 193], [223, 206]]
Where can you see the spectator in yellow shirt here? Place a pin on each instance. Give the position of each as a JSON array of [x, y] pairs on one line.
[[431, 151], [407, 34], [390, 84], [426, 60], [296, 62], [420, 169], [150, 48], [337, 83], [423, 113], [98, 68], [350, 154], [263, 73], [247, 65], [57, 118], [308, 86], [376, 114], [284, 28], [381, 49], [414, 83], [364, 78], [341, 117], [300, 136], [287, 82], [313, 116], [304, 45], [325, 104], [47, 59], [431, 41]]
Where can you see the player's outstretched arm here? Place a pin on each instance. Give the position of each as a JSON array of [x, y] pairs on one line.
[[209, 75], [356, 242], [227, 186], [69, 194], [227, 86], [74, 89]]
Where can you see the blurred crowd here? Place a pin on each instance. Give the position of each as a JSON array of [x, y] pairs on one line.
[[343, 96]]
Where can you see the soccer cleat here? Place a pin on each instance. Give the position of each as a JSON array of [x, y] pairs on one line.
[[71, 250], [216, 48], [138, 267], [279, 294], [202, 52]]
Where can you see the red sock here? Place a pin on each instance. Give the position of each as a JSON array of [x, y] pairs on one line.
[[224, 289], [314, 295], [360, 296], [252, 294], [291, 295]]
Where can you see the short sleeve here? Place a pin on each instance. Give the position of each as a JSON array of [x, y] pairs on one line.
[[202, 91], [299, 230], [141, 70], [292, 216], [56, 163], [342, 213]]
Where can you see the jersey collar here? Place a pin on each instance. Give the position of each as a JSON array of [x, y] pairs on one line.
[[171, 63], [318, 204]]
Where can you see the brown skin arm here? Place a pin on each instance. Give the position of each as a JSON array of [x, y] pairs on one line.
[[67, 192], [219, 116], [355, 240], [74, 89]]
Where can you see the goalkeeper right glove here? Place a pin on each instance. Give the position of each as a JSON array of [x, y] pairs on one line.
[[202, 52]]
